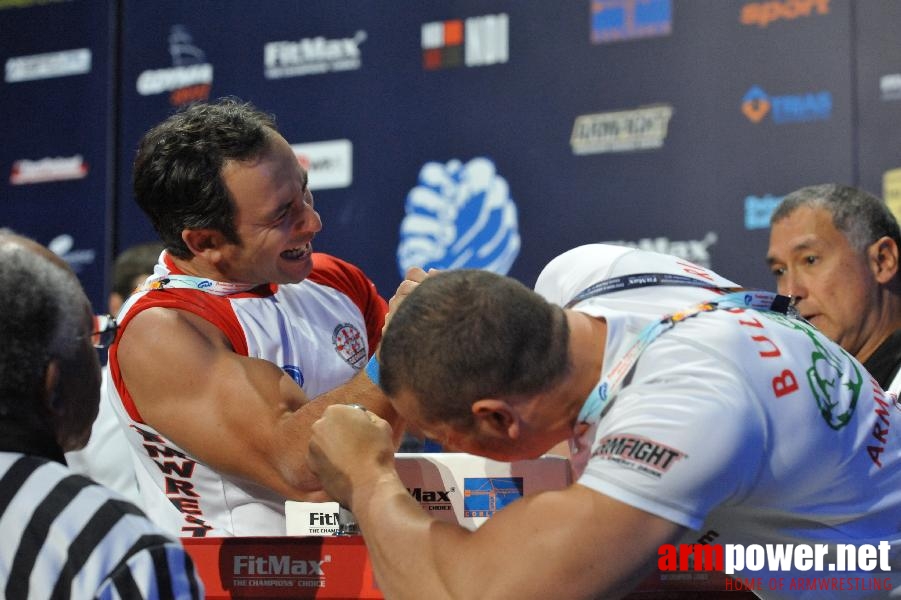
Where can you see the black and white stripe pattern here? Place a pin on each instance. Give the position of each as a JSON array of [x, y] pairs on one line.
[[64, 536]]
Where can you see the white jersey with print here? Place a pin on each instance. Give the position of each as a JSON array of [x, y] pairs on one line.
[[321, 331], [746, 427]]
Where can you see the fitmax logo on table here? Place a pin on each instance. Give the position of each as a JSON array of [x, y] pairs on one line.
[[793, 108]]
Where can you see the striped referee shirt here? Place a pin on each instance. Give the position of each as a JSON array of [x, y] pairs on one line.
[[64, 536]]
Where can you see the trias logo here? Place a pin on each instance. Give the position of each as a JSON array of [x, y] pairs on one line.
[[475, 42], [274, 564], [795, 108], [764, 13], [188, 80]]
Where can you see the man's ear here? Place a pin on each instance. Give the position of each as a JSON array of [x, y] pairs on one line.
[[51, 383], [883, 257], [496, 418], [202, 241]]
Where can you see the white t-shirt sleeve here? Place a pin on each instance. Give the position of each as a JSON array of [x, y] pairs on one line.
[[683, 436]]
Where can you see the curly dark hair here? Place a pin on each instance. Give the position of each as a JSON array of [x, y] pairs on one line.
[[177, 177]]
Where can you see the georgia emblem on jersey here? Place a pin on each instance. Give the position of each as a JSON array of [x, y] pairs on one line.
[[349, 344]]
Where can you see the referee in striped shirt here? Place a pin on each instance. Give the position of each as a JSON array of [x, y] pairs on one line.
[[61, 534]]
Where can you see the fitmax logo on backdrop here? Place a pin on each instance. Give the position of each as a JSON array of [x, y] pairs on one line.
[[459, 215], [312, 56], [696, 251], [188, 80], [794, 108]]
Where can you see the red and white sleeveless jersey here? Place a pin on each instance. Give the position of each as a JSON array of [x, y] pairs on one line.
[[320, 331]]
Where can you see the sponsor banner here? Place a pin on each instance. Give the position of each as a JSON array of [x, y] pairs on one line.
[[60, 168], [190, 77], [48, 65], [312, 518], [792, 108], [762, 14], [283, 567], [890, 87], [459, 215], [329, 163], [793, 567], [484, 496], [695, 251], [621, 131], [473, 42], [618, 20], [78, 259], [891, 191], [467, 490], [638, 453], [312, 56], [759, 209]]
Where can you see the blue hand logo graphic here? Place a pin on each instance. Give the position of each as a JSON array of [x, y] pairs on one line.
[[459, 216]]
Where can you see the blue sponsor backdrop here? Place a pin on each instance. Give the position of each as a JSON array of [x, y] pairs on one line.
[[485, 133], [56, 126]]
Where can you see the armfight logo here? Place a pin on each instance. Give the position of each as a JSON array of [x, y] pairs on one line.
[[642, 128], [638, 453]]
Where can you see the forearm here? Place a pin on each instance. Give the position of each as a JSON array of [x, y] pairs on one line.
[[413, 555], [295, 431]]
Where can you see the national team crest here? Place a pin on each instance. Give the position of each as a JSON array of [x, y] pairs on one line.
[[349, 344]]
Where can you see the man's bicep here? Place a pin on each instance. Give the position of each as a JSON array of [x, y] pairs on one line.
[[189, 385]]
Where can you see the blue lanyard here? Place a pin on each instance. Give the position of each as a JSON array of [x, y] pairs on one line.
[[599, 398], [639, 280]]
